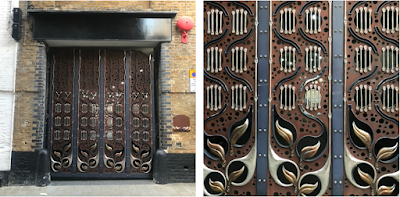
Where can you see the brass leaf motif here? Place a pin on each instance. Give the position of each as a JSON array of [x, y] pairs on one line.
[[65, 163], [84, 167], [110, 163], [93, 147], [117, 167], [144, 155], [217, 150], [308, 152], [290, 176], [84, 154], [216, 186], [385, 190], [237, 133], [308, 188], [57, 166], [385, 153], [286, 134], [58, 154], [364, 137], [137, 163], [67, 147], [108, 147], [118, 154], [233, 176], [135, 148], [144, 168], [365, 177], [92, 163]]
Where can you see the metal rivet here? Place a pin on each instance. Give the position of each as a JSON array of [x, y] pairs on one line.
[[260, 105], [335, 31], [260, 56], [340, 131], [265, 105], [340, 30], [259, 155], [265, 80], [340, 55], [340, 182], [335, 182], [334, 131], [260, 80], [335, 6], [265, 130], [265, 56], [340, 106], [259, 180], [334, 106], [261, 31], [264, 180], [334, 81], [335, 56], [265, 155], [259, 130], [340, 81], [261, 7], [265, 31], [340, 6], [335, 156], [340, 156]]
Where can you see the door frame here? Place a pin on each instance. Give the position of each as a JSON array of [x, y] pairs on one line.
[[48, 114]]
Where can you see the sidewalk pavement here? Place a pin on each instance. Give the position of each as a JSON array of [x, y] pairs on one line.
[[102, 188]]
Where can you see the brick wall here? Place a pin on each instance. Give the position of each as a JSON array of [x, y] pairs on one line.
[[175, 98], [7, 78]]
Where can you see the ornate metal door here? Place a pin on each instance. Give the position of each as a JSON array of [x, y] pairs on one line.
[[326, 98], [101, 114]]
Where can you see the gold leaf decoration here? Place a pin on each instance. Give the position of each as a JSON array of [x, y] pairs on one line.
[[216, 186], [117, 167], [385, 153], [135, 148], [365, 177], [84, 167], [217, 150], [290, 176], [93, 147], [286, 134], [65, 163], [118, 154], [144, 155], [237, 133], [233, 176], [137, 163], [108, 147], [58, 154], [307, 188], [57, 166], [364, 137], [110, 163], [84, 154], [92, 162], [67, 147], [144, 168], [308, 152], [385, 190]]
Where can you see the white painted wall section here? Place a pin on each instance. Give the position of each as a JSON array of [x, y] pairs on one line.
[[8, 56]]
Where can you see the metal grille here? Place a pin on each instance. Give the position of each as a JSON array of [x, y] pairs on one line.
[[99, 75]]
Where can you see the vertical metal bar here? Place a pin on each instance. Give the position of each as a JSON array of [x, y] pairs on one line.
[[101, 111], [127, 110], [75, 109], [49, 89], [262, 68], [337, 97]]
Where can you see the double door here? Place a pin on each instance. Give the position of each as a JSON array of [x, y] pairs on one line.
[[101, 113]]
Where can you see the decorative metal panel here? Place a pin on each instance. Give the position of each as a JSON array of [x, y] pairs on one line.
[[371, 134], [140, 142], [60, 135], [299, 158], [229, 92], [99, 139], [88, 148]]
